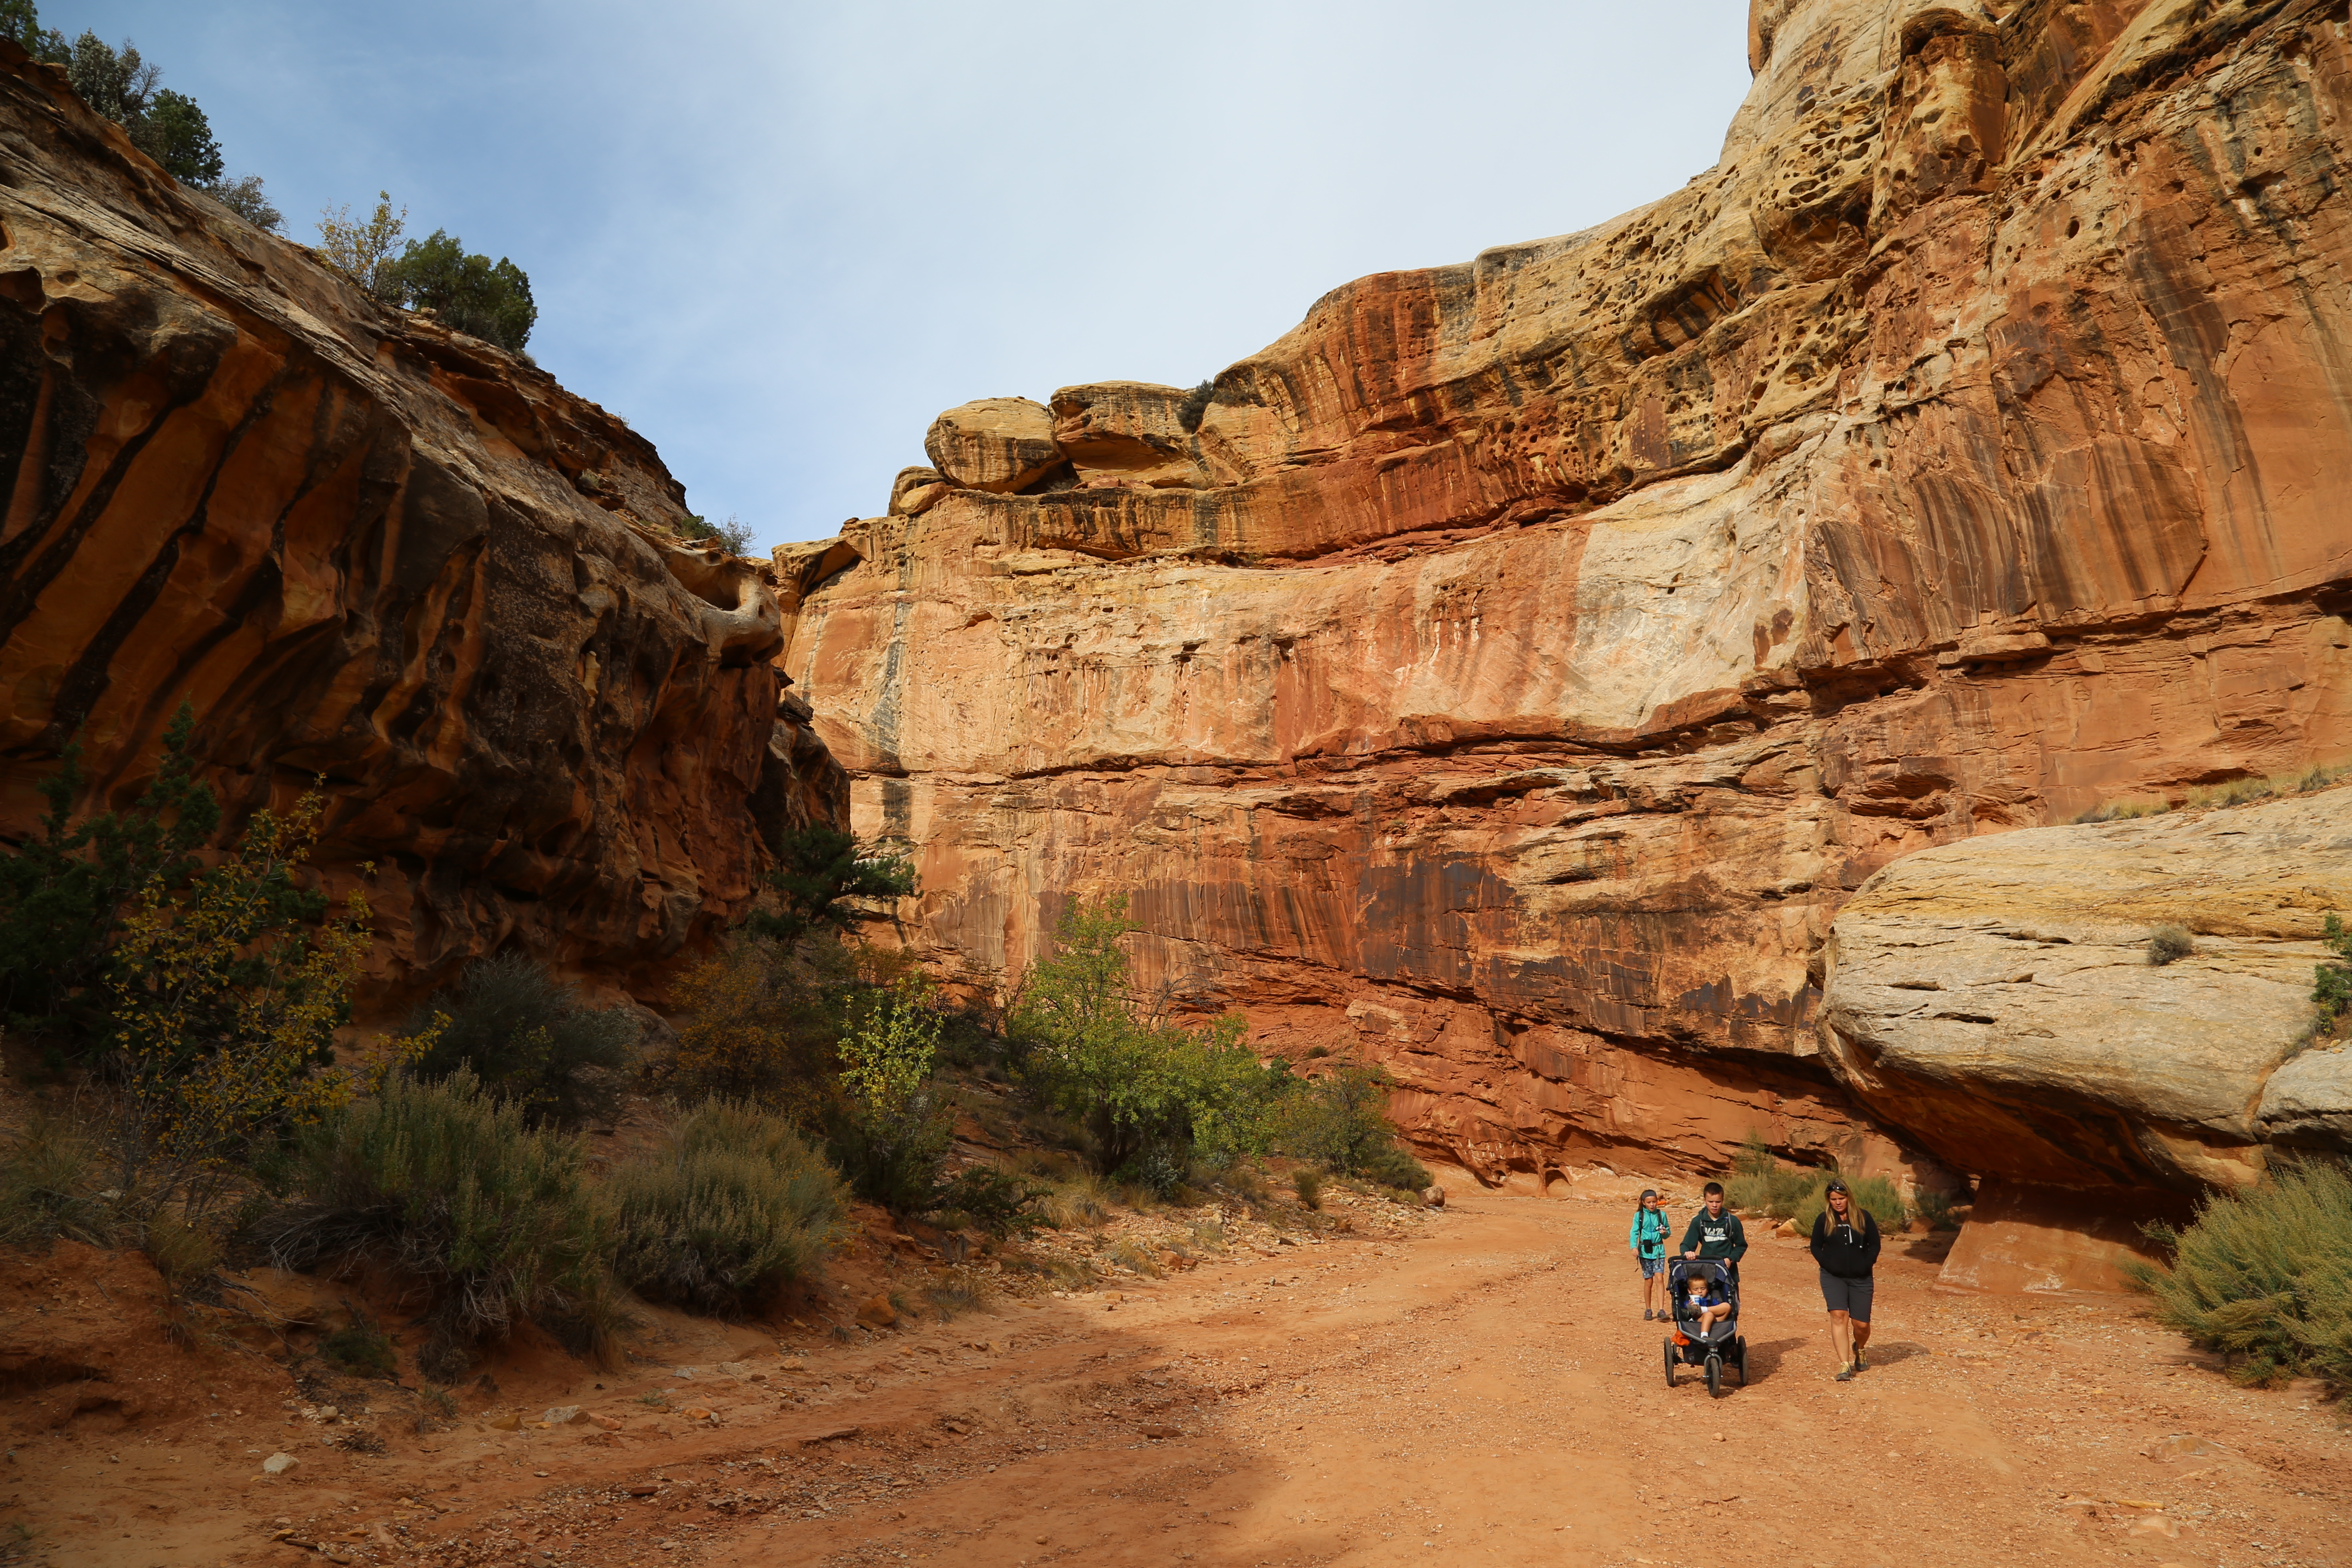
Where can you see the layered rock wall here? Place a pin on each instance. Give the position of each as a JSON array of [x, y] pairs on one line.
[[372, 553], [1508, 674]]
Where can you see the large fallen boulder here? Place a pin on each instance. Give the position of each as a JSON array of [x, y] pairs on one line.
[[2005, 1002]]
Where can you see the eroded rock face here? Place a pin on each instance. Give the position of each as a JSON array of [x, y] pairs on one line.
[[371, 551], [1539, 650]]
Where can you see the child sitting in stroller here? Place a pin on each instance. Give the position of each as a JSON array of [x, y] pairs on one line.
[[1705, 1303]]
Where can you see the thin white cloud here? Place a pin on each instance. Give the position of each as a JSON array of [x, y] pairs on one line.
[[779, 238]]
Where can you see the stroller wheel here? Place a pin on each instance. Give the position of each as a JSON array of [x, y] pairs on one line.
[[1739, 1358], [1714, 1374], [1670, 1364]]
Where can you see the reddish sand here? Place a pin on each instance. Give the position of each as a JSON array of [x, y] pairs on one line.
[[1484, 1389]]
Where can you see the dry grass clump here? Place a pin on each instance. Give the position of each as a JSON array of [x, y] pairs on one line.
[[2169, 944], [49, 1188], [2233, 792], [1079, 1203], [2265, 1274], [1308, 1183], [1134, 1256]]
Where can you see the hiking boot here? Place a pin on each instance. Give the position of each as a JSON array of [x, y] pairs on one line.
[[1860, 1363], [1845, 1374]]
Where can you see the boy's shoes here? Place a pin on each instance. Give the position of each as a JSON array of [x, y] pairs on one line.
[[1845, 1375]]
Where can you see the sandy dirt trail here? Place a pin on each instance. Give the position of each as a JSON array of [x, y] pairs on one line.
[[1484, 1391]]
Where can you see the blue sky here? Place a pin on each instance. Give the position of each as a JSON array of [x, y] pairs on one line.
[[779, 238]]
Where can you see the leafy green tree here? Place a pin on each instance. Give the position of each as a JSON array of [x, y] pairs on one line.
[[175, 133], [226, 994], [118, 82], [362, 249], [819, 869], [1339, 1119], [1150, 1094], [244, 197], [893, 1135], [490, 300], [20, 24], [64, 892]]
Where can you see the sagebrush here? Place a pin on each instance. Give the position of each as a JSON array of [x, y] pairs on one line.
[[731, 1209], [444, 1183], [2265, 1274]]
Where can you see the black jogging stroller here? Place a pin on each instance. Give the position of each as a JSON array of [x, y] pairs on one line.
[[1724, 1345]]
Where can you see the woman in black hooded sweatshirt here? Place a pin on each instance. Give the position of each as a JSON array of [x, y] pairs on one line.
[[1846, 1243]]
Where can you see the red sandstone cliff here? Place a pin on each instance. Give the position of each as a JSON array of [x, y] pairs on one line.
[[369, 549], [1515, 666]]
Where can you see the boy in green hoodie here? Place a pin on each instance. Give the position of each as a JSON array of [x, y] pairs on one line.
[[1716, 1233]]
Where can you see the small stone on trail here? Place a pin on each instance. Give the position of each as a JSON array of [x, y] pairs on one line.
[[278, 1464], [1157, 1433], [561, 1415], [877, 1312], [1434, 1197], [643, 1488], [506, 1421], [607, 1422]]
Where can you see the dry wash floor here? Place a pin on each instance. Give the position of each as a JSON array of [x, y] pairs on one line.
[[1481, 1392]]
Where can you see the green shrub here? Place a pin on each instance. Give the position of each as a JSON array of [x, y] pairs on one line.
[[731, 1209], [63, 893], [991, 1199], [2331, 990], [361, 1348], [472, 294], [444, 1183], [529, 1040], [1194, 406], [1308, 1183], [2169, 944], [2266, 1275], [1092, 1051], [1936, 1208], [893, 1129], [1340, 1121], [1876, 1194], [1760, 1184]]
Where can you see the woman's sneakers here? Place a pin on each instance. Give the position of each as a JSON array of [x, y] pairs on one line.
[[1845, 1374], [1861, 1362]]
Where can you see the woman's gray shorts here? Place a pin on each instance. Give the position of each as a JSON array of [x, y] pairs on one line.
[[1851, 1297]]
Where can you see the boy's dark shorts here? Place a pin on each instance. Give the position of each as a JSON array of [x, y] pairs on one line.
[[1851, 1297]]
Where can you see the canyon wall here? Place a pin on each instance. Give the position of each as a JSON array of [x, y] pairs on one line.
[[1507, 675], [372, 553]]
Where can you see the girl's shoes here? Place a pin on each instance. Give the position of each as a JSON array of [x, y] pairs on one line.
[[1647, 1314]]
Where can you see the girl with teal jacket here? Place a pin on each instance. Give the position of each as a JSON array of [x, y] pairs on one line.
[[1648, 1239]]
